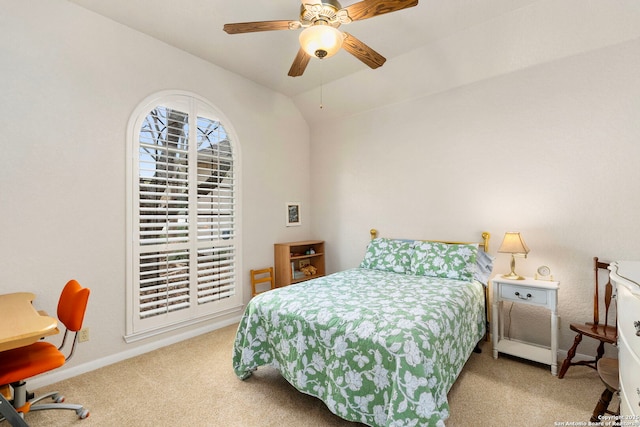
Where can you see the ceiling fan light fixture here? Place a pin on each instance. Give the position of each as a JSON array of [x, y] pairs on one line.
[[321, 40]]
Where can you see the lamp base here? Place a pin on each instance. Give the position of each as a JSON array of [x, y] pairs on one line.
[[512, 276]]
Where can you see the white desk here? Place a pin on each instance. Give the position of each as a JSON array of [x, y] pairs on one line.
[[27, 325], [532, 292]]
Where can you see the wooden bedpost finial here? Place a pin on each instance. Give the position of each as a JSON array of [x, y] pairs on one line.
[[374, 233]]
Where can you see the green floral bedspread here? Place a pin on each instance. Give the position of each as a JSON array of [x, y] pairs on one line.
[[378, 348]]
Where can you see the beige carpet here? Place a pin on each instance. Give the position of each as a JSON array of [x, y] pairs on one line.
[[192, 384]]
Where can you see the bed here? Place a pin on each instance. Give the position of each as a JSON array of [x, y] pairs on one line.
[[380, 344]]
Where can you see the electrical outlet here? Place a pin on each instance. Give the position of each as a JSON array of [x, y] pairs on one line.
[[83, 335]]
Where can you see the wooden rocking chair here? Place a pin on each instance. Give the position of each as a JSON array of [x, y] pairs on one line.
[[604, 333]]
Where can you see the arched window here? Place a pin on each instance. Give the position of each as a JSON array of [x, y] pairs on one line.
[[182, 228]]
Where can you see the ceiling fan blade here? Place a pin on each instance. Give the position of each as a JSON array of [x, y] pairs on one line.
[[252, 27], [299, 63], [370, 8], [363, 52]]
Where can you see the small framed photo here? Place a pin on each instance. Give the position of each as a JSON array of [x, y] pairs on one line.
[[293, 214]]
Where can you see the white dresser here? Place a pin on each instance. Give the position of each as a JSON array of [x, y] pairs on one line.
[[626, 276]]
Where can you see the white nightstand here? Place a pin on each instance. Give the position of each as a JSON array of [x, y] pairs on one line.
[[528, 291]]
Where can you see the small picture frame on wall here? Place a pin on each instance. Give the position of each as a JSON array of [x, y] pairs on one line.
[[293, 214]]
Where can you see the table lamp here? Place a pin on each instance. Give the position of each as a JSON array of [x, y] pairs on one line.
[[513, 244]]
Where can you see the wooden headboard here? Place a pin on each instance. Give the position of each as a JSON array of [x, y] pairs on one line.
[[484, 244]]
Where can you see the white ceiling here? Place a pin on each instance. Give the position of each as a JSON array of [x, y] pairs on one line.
[[196, 27]]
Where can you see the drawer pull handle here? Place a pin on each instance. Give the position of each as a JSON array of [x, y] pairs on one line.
[[521, 297], [637, 325]]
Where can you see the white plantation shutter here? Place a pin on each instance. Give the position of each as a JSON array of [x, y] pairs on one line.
[[216, 277], [183, 230], [164, 282], [215, 205]]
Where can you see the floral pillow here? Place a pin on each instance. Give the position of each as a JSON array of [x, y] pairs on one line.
[[447, 260], [388, 255]]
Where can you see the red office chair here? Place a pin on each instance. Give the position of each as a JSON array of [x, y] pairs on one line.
[[21, 363]]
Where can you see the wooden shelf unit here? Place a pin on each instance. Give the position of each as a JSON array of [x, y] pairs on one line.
[[292, 254]]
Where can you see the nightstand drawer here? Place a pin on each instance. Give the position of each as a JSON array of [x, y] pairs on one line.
[[523, 294]]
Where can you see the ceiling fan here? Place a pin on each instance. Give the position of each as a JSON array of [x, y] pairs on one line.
[[321, 37]]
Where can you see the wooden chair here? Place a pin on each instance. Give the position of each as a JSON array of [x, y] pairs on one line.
[[261, 276], [604, 333], [608, 371]]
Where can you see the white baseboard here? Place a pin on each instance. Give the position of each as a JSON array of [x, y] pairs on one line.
[[55, 376], [562, 354]]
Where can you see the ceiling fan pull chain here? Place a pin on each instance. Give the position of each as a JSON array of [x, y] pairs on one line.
[[321, 82]]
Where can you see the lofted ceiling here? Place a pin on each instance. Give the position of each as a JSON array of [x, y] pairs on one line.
[[195, 26]]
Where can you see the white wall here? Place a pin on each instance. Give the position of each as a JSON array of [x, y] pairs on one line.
[[69, 81], [549, 150]]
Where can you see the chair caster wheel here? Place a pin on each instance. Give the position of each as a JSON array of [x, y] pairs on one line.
[[82, 413], [58, 398]]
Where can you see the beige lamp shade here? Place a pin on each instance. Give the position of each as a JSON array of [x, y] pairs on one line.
[[513, 244], [321, 40]]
